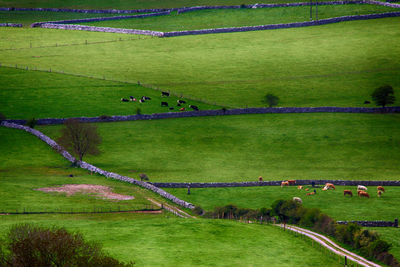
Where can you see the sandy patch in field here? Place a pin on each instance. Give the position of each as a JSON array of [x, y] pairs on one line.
[[102, 191]]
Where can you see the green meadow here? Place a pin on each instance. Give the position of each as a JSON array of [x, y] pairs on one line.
[[241, 148], [26, 94], [207, 19], [328, 65], [154, 240], [330, 202]]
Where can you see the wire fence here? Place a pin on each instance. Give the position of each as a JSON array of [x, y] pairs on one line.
[[93, 210], [107, 78]]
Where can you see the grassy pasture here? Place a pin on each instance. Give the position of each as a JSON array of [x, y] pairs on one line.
[[241, 148], [207, 19], [26, 94], [154, 240], [327, 65], [28, 164], [26, 18], [131, 4], [331, 202], [391, 235]]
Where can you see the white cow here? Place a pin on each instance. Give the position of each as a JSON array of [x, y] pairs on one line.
[[361, 187], [298, 200]]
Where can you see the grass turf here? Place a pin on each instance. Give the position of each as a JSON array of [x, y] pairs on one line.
[[327, 65], [207, 19], [331, 202], [241, 148], [26, 94], [26, 18], [157, 241]]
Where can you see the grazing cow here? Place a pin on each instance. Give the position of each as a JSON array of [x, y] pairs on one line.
[[298, 200], [330, 186], [178, 105], [379, 193], [380, 188], [300, 187], [284, 183], [142, 100], [164, 104], [164, 94], [361, 187], [307, 189], [367, 102], [363, 194], [180, 101], [292, 182], [260, 179], [193, 107], [182, 109], [347, 192], [131, 98], [146, 98], [171, 108], [310, 194], [124, 100]]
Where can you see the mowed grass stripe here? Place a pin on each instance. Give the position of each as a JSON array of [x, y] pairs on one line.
[[238, 69], [221, 18], [241, 148], [159, 241]]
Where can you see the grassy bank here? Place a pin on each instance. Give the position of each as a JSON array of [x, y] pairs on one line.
[[208, 19], [241, 148], [315, 66]]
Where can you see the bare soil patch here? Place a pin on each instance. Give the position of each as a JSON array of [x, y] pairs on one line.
[[102, 191]]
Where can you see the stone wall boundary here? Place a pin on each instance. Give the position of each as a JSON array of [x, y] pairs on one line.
[[217, 112], [38, 24], [277, 183], [394, 223], [90, 11], [92, 168], [10, 25]]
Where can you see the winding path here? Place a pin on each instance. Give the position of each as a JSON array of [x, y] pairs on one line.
[[329, 244]]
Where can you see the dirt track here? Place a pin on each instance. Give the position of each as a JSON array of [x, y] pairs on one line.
[[329, 244]]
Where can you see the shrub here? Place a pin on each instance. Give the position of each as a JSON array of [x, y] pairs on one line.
[[138, 111], [198, 210], [271, 100], [345, 233], [31, 122], [377, 247], [243, 6], [2, 117], [310, 217], [143, 177], [104, 117], [383, 95], [29, 245]]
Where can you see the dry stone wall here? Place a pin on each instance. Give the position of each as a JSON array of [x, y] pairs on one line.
[[394, 223], [93, 11], [10, 25], [220, 112], [94, 169], [278, 183]]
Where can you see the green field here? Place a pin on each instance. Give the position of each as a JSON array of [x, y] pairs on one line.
[[159, 241], [131, 4], [28, 17], [331, 202], [22, 93], [327, 65], [241, 148], [208, 19]]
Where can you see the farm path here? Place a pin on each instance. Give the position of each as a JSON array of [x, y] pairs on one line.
[[170, 208], [329, 244]]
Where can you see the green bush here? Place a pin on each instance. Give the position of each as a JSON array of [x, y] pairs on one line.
[[138, 111], [31, 122], [2, 117], [198, 210], [345, 233], [29, 245], [104, 117]]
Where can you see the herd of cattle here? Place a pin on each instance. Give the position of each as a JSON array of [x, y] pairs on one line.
[[361, 190], [163, 103]]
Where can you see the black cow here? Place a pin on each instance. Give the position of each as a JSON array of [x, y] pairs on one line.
[[180, 101], [164, 104], [124, 100], [142, 100], [193, 107], [171, 108], [367, 102], [164, 94], [146, 98], [178, 105], [131, 98]]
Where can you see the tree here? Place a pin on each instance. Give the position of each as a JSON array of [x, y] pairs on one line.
[[143, 177], [271, 100], [29, 245], [383, 95], [80, 138]]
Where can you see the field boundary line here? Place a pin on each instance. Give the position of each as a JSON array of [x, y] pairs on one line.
[[332, 246], [94, 169]]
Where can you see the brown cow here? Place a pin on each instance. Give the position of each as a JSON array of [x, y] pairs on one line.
[[292, 182], [300, 187], [260, 179], [363, 194], [379, 193], [380, 188], [311, 193], [330, 186], [347, 192], [284, 183]]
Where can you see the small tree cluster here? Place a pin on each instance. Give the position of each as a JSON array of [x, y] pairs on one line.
[[384, 95], [143, 177], [31, 122], [271, 100], [232, 212], [29, 245]]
